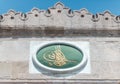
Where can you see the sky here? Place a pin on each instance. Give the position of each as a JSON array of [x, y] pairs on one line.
[[93, 6]]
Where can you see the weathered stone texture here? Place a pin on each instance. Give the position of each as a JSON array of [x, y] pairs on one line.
[[104, 52], [98, 82], [5, 70], [14, 50], [58, 20], [59, 23]]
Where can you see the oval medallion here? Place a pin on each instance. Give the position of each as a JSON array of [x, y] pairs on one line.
[[59, 57]]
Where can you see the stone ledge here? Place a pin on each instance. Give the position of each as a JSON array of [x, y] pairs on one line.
[[61, 82], [52, 32]]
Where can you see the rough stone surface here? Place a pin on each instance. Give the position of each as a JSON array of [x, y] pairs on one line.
[[5, 70], [59, 23], [104, 65]]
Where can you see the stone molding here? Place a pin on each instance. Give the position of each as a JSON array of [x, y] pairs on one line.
[[60, 15], [59, 18]]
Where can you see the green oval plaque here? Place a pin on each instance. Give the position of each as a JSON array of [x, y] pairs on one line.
[[59, 56]]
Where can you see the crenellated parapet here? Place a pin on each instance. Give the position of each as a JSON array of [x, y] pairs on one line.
[[61, 18]]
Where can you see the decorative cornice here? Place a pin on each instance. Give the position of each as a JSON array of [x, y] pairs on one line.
[[60, 17]]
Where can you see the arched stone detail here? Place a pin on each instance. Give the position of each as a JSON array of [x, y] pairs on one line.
[[59, 5], [1, 18], [48, 13], [23, 16], [95, 18], [76, 16], [107, 15], [70, 13]]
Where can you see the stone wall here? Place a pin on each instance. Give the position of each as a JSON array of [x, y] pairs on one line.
[[104, 52], [17, 30]]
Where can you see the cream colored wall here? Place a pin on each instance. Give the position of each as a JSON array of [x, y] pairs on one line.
[[16, 34], [104, 53]]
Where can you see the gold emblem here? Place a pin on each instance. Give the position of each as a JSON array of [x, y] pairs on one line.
[[56, 57]]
